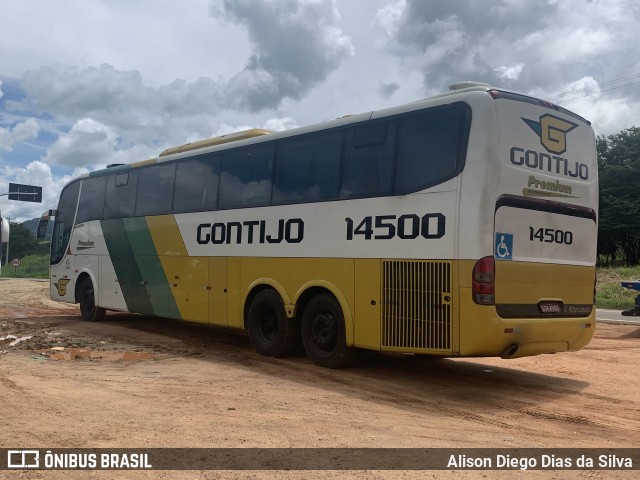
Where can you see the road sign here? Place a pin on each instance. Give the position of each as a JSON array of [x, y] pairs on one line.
[[15, 262], [25, 193]]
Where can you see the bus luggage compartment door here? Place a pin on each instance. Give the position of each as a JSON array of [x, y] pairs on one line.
[[545, 258]]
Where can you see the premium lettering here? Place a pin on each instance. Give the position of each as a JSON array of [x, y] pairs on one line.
[[550, 186]]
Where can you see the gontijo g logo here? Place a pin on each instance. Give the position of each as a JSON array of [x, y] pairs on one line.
[[552, 132]]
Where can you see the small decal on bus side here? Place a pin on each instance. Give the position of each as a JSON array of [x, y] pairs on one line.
[[504, 246], [84, 245], [61, 286], [406, 227]]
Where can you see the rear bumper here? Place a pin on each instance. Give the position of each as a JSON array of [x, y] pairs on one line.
[[484, 333]]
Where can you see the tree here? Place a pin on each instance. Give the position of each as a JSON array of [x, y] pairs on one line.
[[619, 172], [21, 243]]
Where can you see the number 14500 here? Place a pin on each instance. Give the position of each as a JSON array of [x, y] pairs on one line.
[[551, 235]]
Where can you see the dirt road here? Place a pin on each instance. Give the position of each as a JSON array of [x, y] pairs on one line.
[[132, 381]]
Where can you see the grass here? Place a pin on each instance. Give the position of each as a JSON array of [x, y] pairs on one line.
[[31, 266], [609, 293]]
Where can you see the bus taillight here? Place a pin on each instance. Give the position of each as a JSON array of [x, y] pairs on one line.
[[483, 285]]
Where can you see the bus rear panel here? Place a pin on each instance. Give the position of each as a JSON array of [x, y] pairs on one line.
[[531, 290]]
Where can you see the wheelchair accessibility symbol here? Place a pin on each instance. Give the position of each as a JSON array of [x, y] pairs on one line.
[[504, 246]]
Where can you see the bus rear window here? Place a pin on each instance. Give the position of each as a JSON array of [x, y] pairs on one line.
[[431, 147]]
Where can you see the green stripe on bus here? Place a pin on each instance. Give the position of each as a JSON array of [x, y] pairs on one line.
[[121, 255], [153, 282], [137, 266]]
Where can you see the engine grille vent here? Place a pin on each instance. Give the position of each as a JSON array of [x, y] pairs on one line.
[[416, 305]]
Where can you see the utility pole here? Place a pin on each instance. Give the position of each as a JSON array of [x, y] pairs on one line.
[[8, 238]]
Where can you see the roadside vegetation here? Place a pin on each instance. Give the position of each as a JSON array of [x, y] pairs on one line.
[[609, 292], [32, 253], [31, 266]]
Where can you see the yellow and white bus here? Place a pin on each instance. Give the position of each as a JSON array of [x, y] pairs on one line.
[[459, 225]]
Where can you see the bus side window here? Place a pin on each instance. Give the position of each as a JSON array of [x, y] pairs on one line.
[[91, 203], [120, 198], [430, 148], [155, 189], [245, 177], [368, 163], [308, 168], [197, 184]]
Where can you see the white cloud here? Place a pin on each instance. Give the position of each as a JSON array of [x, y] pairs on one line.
[[21, 132], [567, 46], [390, 15], [295, 46], [163, 39], [510, 73], [586, 98], [448, 39], [136, 113], [87, 143], [280, 124], [557, 42]]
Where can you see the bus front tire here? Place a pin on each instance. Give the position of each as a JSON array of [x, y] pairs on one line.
[[88, 309], [271, 332], [323, 333]]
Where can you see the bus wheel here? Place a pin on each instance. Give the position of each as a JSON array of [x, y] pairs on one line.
[[271, 332], [88, 309], [323, 333]]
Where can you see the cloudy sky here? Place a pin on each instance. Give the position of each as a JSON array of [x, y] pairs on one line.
[[84, 83]]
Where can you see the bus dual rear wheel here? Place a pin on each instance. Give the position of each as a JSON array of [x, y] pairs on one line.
[[271, 332], [86, 297], [323, 333]]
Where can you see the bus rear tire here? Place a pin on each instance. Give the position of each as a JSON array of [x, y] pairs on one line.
[[271, 332], [323, 333], [86, 297]]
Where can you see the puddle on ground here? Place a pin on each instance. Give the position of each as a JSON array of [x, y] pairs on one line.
[[73, 354]]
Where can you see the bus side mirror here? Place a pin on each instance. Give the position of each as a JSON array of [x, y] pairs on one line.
[[43, 224]]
